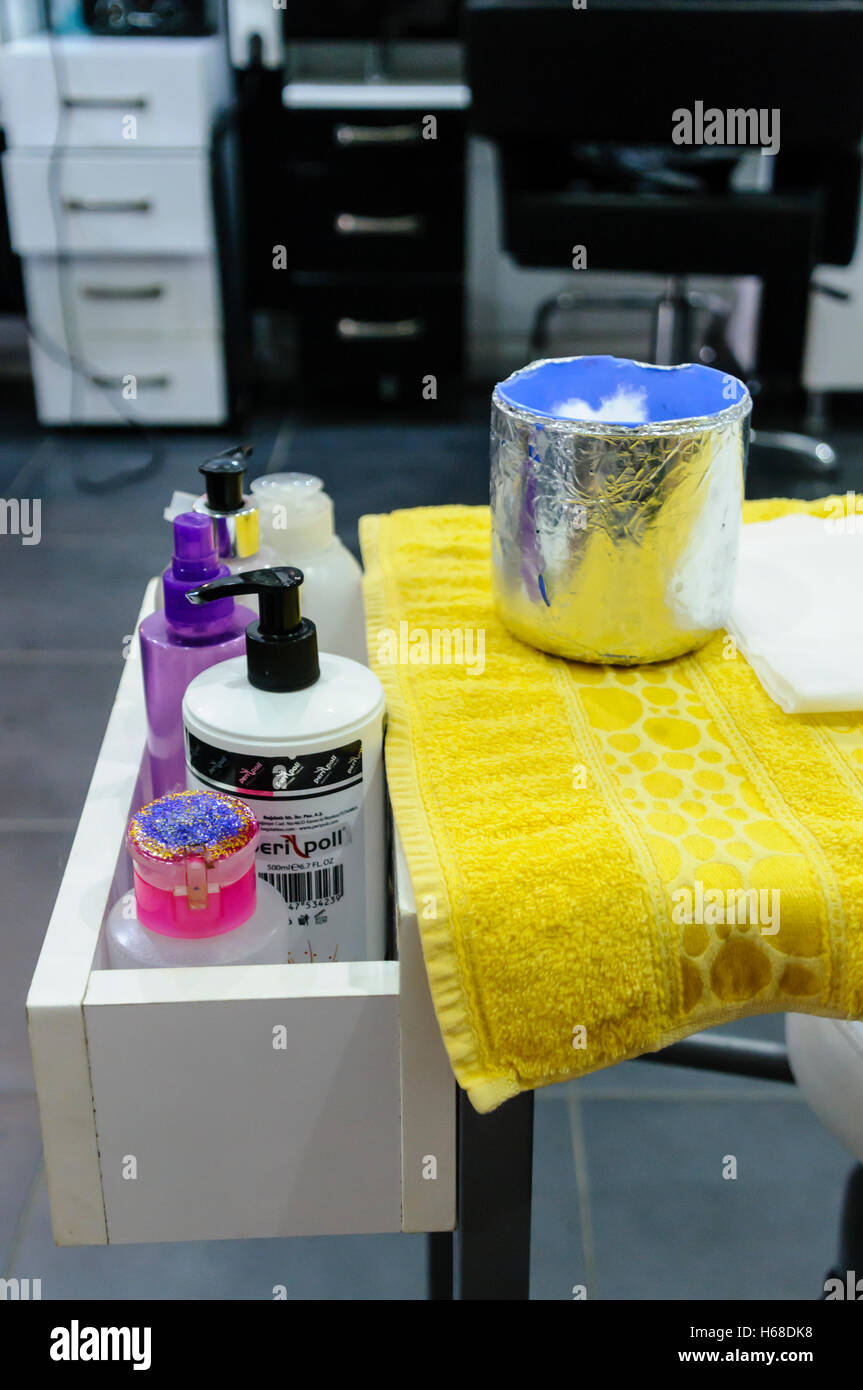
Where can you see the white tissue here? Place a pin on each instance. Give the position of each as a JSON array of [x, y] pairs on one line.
[[628, 406], [796, 613]]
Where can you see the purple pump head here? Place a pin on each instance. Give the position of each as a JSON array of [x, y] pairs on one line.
[[195, 563]]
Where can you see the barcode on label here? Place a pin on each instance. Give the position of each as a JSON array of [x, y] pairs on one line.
[[310, 886]]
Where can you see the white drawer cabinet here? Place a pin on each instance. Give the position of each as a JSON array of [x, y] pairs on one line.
[[109, 180], [123, 296], [168, 1113], [108, 203], [170, 88], [157, 381]]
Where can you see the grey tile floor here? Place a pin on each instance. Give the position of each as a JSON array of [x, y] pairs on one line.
[[629, 1198]]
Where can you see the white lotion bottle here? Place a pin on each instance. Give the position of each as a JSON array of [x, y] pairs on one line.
[[297, 527], [298, 735]]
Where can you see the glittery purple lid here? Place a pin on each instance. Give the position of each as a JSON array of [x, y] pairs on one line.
[[209, 823]]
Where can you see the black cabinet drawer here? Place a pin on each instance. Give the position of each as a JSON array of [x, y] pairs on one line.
[[347, 224], [381, 143], [370, 19], [364, 334]]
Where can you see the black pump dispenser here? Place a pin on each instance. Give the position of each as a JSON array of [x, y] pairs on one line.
[[282, 647], [223, 479]]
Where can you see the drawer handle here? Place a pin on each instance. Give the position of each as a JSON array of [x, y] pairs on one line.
[[350, 224], [347, 135], [354, 329], [107, 204], [106, 103], [122, 292], [116, 383]]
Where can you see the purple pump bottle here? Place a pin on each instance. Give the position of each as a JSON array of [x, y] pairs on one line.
[[180, 641]]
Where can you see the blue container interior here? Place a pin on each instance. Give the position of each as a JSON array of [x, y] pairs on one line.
[[626, 393]]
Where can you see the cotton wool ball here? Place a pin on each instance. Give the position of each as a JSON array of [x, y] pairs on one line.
[[625, 407]]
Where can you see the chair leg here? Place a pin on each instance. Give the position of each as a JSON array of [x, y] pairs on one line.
[[672, 326], [848, 1271], [782, 335]]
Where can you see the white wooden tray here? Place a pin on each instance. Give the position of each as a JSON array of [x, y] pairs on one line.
[[228, 1102]]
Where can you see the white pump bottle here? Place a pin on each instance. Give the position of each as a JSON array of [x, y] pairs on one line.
[[297, 735]]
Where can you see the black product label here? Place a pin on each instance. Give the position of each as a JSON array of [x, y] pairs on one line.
[[312, 847], [282, 778]]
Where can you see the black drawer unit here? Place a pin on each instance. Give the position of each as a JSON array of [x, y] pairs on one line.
[[371, 19], [377, 143], [370, 208], [354, 224], [387, 336]]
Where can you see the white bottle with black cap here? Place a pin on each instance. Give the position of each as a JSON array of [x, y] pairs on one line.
[[235, 517], [236, 533], [297, 735]]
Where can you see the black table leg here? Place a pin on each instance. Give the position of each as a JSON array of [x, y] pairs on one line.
[[495, 1167], [440, 1265], [851, 1236]]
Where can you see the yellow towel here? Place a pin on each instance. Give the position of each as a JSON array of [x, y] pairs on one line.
[[561, 822]]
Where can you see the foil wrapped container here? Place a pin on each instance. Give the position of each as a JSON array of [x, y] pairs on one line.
[[616, 541]]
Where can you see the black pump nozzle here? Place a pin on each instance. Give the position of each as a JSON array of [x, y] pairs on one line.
[[282, 647], [223, 478], [278, 590]]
